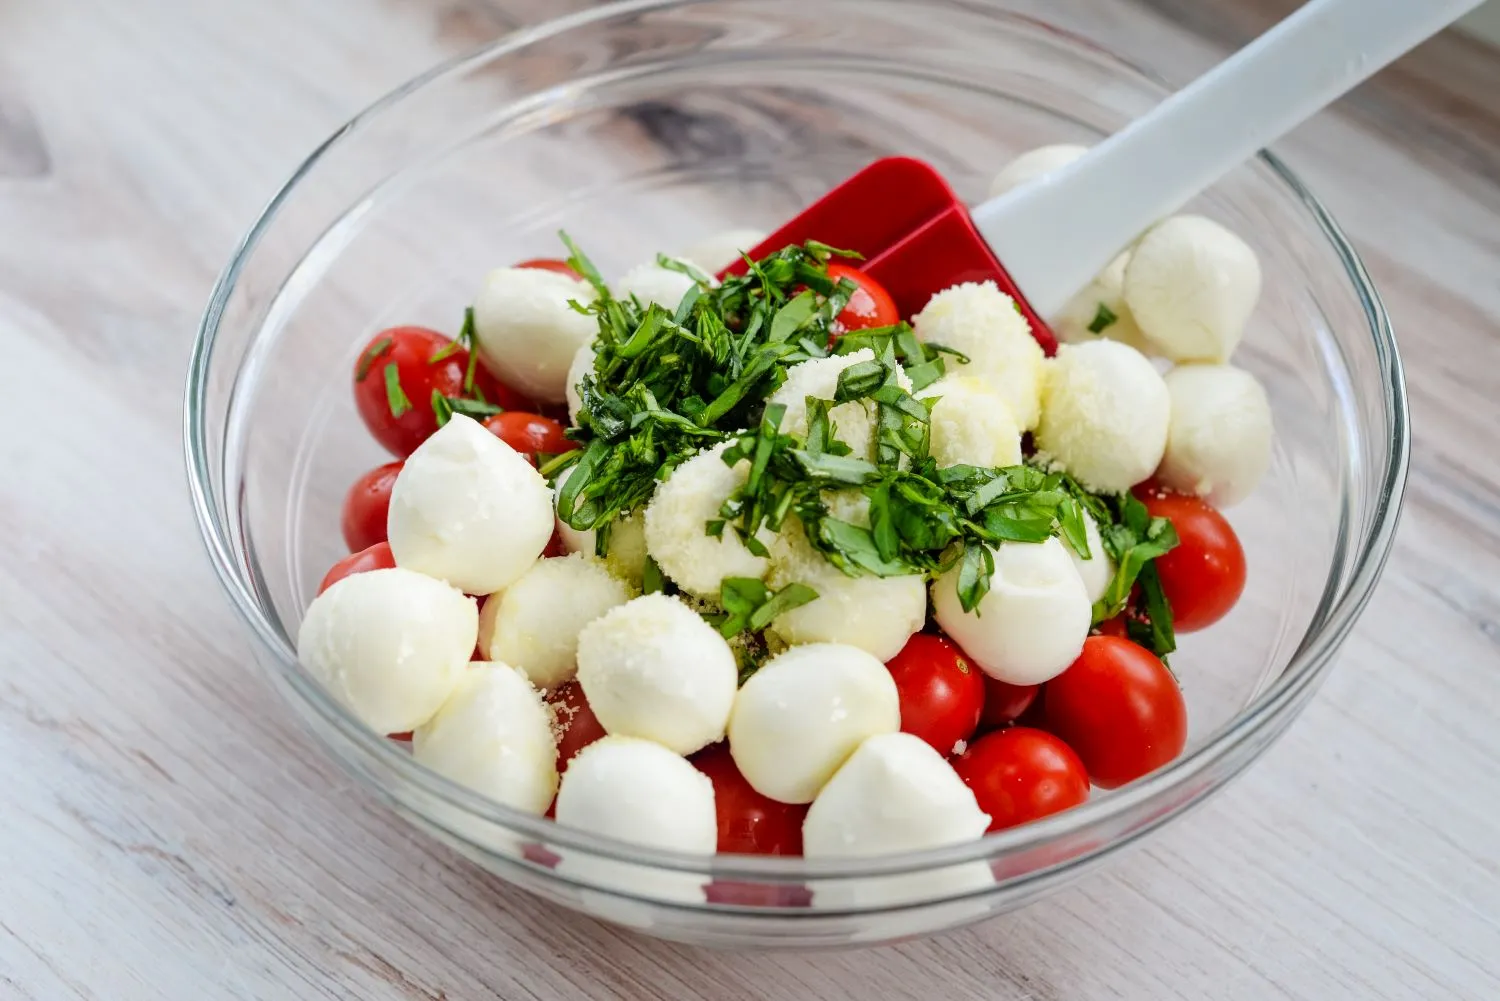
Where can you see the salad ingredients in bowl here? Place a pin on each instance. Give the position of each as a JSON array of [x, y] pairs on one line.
[[793, 526]]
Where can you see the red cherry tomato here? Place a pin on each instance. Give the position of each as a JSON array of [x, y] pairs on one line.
[[555, 546], [550, 264], [1115, 627], [377, 557], [749, 823], [942, 693], [870, 306], [1020, 775], [1204, 575], [575, 723], [1119, 708], [1004, 703], [366, 505], [411, 350], [530, 433]]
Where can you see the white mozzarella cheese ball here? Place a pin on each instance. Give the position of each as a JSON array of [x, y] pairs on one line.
[[526, 331], [715, 253], [494, 735], [1098, 569], [971, 424], [468, 509], [1032, 622], [875, 614], [983, 323], [533, 625], [894, 794], [626, 557], [653, 669], [854, 423], [390, 645], [1095, 304], [1219, 439], [1191, 285], [680, 508], [1033, 164], [581, 365], [1104, 419], [638, 791], [653, 283], [804, 712]]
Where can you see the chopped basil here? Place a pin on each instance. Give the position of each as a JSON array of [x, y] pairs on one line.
[[367, 360], [1104, 318], [395, 396]]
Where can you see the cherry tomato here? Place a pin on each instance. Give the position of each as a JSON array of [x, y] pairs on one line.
[[749, 823], [942, 693], [870, 306], [1115, 627], [366, 505], [411, 350], [1119, 708], [530, 433], [377, 557], [1020, 775], [1004, 703], [550, 264], [1204, 575], [555, 546], [576, 725]]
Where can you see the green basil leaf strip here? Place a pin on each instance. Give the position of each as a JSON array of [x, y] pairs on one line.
[[789, 597]]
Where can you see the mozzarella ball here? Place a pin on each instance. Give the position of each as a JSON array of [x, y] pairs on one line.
[[1191, 285], [1097, 570], [626, 557], [680, 509], [653, 669], [1219, 438], [389, 645], [526, 331], [494, 735], [533, 625], [1033, 164], [582, 365], [1104, 415], [804, 712], [894, 794], [468, 509], [875, 614], [653, 283], [971, 425], [854, 423], [638, 791], [983, 323], [715, 253], [1096, 303], [1032, 622]]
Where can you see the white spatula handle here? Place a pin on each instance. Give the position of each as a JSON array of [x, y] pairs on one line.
[[1055, 234]]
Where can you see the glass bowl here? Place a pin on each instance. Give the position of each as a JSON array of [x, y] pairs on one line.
[[643, 126]]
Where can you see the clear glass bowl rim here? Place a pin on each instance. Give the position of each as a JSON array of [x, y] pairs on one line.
[[1274, 707]]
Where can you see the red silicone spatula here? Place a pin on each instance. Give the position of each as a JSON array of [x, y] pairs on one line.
[[1056, 233]]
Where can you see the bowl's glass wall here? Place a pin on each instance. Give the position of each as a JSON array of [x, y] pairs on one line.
[[644, 131]]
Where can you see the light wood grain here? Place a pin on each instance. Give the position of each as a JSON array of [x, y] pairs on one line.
[[168, 832]]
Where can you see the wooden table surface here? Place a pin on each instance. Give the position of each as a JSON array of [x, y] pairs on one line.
[[167, 831]]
